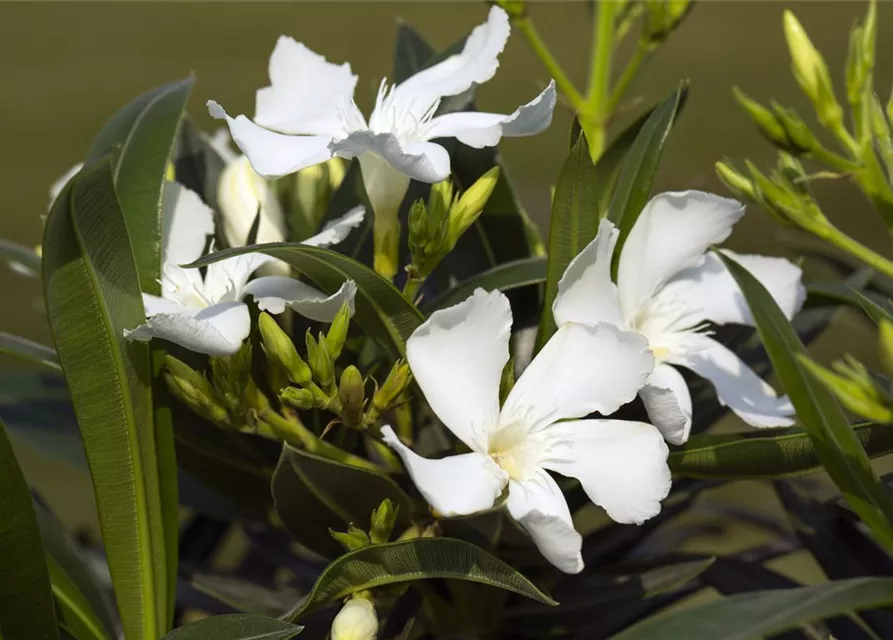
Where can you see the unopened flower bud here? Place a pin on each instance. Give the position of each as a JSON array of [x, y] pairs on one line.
[[382, 523], [353, 539], [356, 621], [241, 193], [320, 361], [281, 351], [311, 191], [811, 71], [740, 186], [662, 17], [394, 385], [302, 399], [418, 230], [885, 331], [470, 204], [194, 390], [337, 333], [352, 396], [440, 200], [767, 122], [230, 375], [799, 136]]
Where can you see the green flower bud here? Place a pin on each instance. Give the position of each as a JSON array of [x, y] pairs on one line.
[[792, 173], [767, 122], [353, 539], [394, 386], [470, 204], [193, 390], [320, 361], [230, 376], [337, 333], [854, 387], [383, 519], [811, 71], [799, 136], [281, 351], [311, 192], [662, 17], [418, 230], [302, 399], [880, 127], [885, 335], [352, 396], [740, 186]]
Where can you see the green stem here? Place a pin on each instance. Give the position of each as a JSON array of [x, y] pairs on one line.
[[525, 26], [411, 287], [836, 237], [599, 78], [833, 160], [626, 77]]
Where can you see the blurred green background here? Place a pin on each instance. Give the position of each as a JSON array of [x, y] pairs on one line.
[[65, 68]]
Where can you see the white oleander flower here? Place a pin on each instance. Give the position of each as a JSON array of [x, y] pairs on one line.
[[357, 620]]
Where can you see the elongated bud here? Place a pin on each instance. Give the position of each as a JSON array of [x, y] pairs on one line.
[[396, 383], [811, 71], [799, 136], [230, 376], [418, 230], [767, 122], [311, 191], [853, 386], [440, 200], [792, 172], [885, 331], [241, 193], [383, 519], [302, 399], [662, 17], [880, 127], [471, 203], [352, 396], [740, 186], [320, 361], [337, 333], [356, 621], [281, 351], [352, 539], [194, 390]]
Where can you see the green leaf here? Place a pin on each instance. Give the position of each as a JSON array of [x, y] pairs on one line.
[[26, 601], [313, 494], [237, 626], [381, 310], [755, 615], [411, 52], [92, 295], [84, 607], [876, 310], [142, 135], [833, 439], [767, 453], [28, 350], [25, 256], [640, 165], [409, 560], [504, 277]]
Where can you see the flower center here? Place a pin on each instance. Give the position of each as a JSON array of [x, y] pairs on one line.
[[399, 116], [515, 451]]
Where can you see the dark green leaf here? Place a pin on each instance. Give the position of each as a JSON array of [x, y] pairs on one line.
[[92, 295], [238, 626], [767, 453], [25, 256], [411, 52], [833, 439], [381, 311], [26, 601], [640, 165], [416, 559], [504, 277], [28, 350], [755, 615], [877, 310]]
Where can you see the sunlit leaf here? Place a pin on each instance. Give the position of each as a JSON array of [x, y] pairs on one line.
[[237, 626], [503, 277]]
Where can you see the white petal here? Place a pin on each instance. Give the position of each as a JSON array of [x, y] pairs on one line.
[[423, 161], [581, 369], [457, 357], [586, 293], [272, 154], [305, 91], [737, 386], [480, 130], [221, 142], [668, 402], [539, 506], [58, 185], [215, 331], [456, 485], [155, 305], [476, 64], [242, 194], [274, 293], [225, 280], [621, 465], [186, 224], [672, 233], [338, 229]]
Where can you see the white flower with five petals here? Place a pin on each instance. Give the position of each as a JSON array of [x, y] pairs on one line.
[[457, 357], [206, 314], [670, 286], [308, 115]]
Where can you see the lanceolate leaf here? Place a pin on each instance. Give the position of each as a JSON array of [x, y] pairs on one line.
[[504, 277], [28, 350], [238, 626], [381, 311], [416, 559], [26, 602], [766, 453], [763, 613], [92, 295], [15, 253], [821, 416]]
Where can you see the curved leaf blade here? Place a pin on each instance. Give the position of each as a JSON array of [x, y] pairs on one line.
[[409, 560], [15, 253], [818, 411], [384, 314], [762, 613], [92, 295], [237, 626], [503, 277], [26, 601], [767, 453], [28, 350]]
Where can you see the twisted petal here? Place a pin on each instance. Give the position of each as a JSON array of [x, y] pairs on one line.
[[737, 386], [274, 293], [185, 225], [457, 358], [272, 154], [581, 369], [476, 64], [305, 92], [217, 330], [668, 402], [422, 161], [456, 485], [338, 229], [586, 293], [480, 130], [672, 233], [540, 508], [621, 465]]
